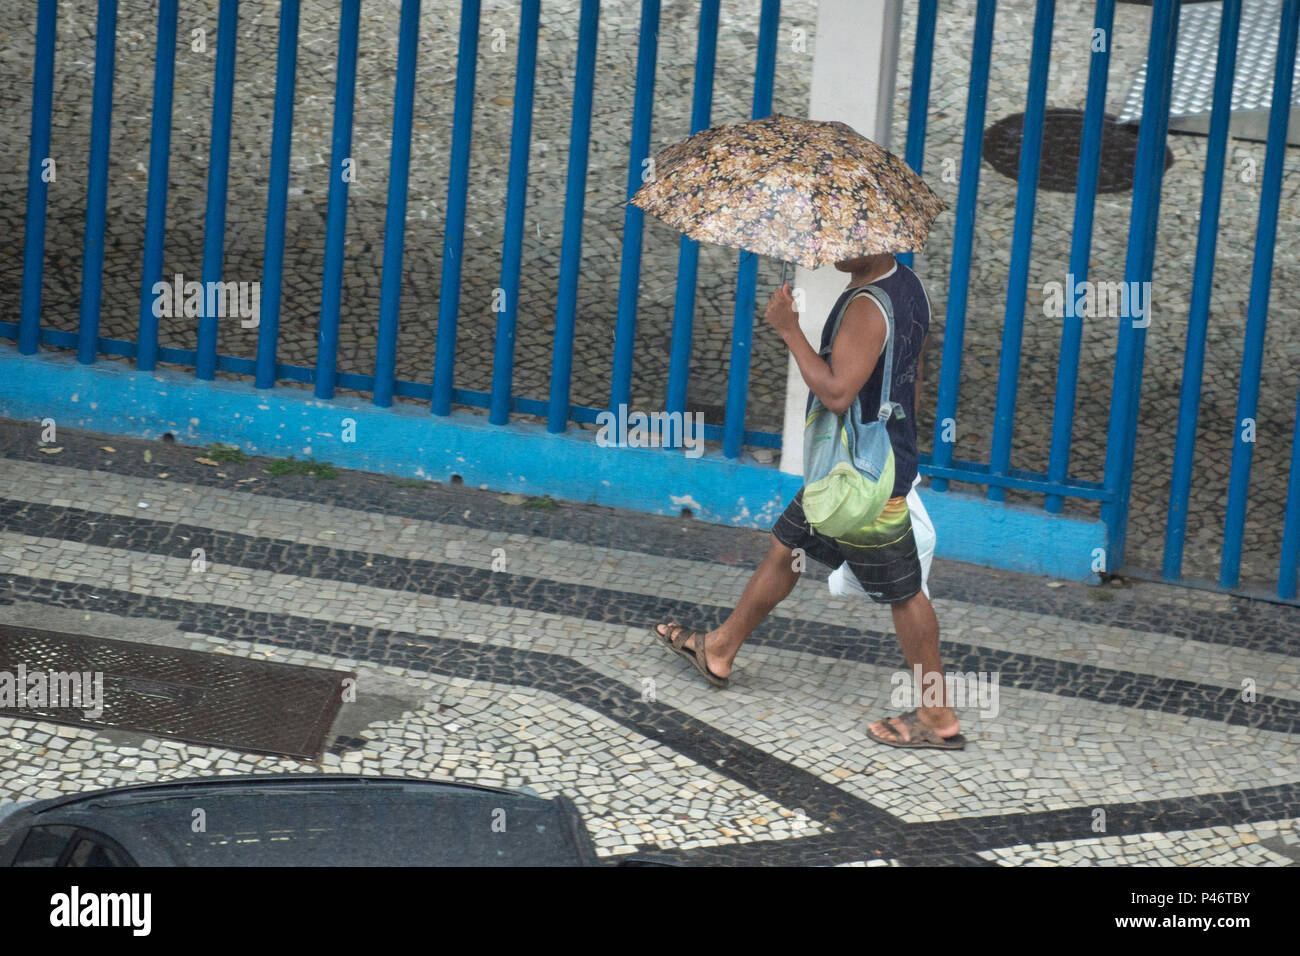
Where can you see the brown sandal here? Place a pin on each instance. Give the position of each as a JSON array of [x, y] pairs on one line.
[[675, 640], [919, 735]]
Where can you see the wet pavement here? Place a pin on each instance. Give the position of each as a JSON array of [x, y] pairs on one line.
[[506, 641]]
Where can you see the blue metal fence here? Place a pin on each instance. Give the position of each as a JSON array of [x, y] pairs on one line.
[[997, 475]]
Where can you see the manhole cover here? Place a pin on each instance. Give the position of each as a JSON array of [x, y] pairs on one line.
[[1062, 135], [231, 702]]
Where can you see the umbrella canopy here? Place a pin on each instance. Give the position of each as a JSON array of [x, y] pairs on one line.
[[793, 189]]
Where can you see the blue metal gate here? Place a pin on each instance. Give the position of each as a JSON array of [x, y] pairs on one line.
[[725, 485]]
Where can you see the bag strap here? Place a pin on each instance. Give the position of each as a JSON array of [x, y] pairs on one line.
[[887, 408]]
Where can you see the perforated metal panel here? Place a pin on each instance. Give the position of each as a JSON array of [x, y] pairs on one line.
[[1194, 65], [226, 701]]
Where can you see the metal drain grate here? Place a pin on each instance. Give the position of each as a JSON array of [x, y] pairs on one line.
[[231, 702]]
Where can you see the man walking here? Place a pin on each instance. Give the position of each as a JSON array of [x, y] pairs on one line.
[[885, 563]]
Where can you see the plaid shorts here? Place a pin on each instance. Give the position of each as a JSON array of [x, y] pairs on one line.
[[883, 557]]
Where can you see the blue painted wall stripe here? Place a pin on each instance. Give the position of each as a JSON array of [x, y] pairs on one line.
[[59, 338], [519, 457]]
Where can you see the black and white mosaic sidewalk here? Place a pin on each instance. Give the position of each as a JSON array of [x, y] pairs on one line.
[[499, 641]]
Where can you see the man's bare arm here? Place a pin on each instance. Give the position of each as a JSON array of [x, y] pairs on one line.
[[854, 355]]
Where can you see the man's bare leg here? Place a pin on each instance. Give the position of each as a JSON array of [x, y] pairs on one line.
[[767, 587], [918, 633]]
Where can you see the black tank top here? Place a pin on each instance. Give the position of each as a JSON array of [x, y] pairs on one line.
[[911, 323]]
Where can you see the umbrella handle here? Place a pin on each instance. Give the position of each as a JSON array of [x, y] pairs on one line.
[[785, 271]]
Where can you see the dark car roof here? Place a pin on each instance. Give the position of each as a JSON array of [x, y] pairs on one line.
[[323, 820]]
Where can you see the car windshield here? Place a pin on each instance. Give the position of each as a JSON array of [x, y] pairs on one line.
[[346, 826]]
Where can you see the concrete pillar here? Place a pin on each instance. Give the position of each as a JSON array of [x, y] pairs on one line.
[[855, 51]]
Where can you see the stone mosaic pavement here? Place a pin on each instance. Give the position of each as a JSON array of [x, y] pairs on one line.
[[505, 641], [615, 80]]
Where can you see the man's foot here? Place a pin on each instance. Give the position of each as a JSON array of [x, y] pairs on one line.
[[685, 641], [914, 731]]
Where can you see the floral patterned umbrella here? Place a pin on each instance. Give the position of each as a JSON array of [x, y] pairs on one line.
[[793, 189]]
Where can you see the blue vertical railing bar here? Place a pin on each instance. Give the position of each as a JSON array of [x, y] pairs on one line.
[[155, 217], [1198, 318], [629, 277], [399, 167], [29, 321], [277, 195], [742, 325], [512, 245], [919, 100], [336, 214], [1067, 366], [101, 117], [963, 236], [453, 243], [765, 60], [1270, 196], [1147, 266], [688, 253], [214, 235], [1013, 323], [1289, 566], [742, 341], [566, 303], [1121, 435]]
